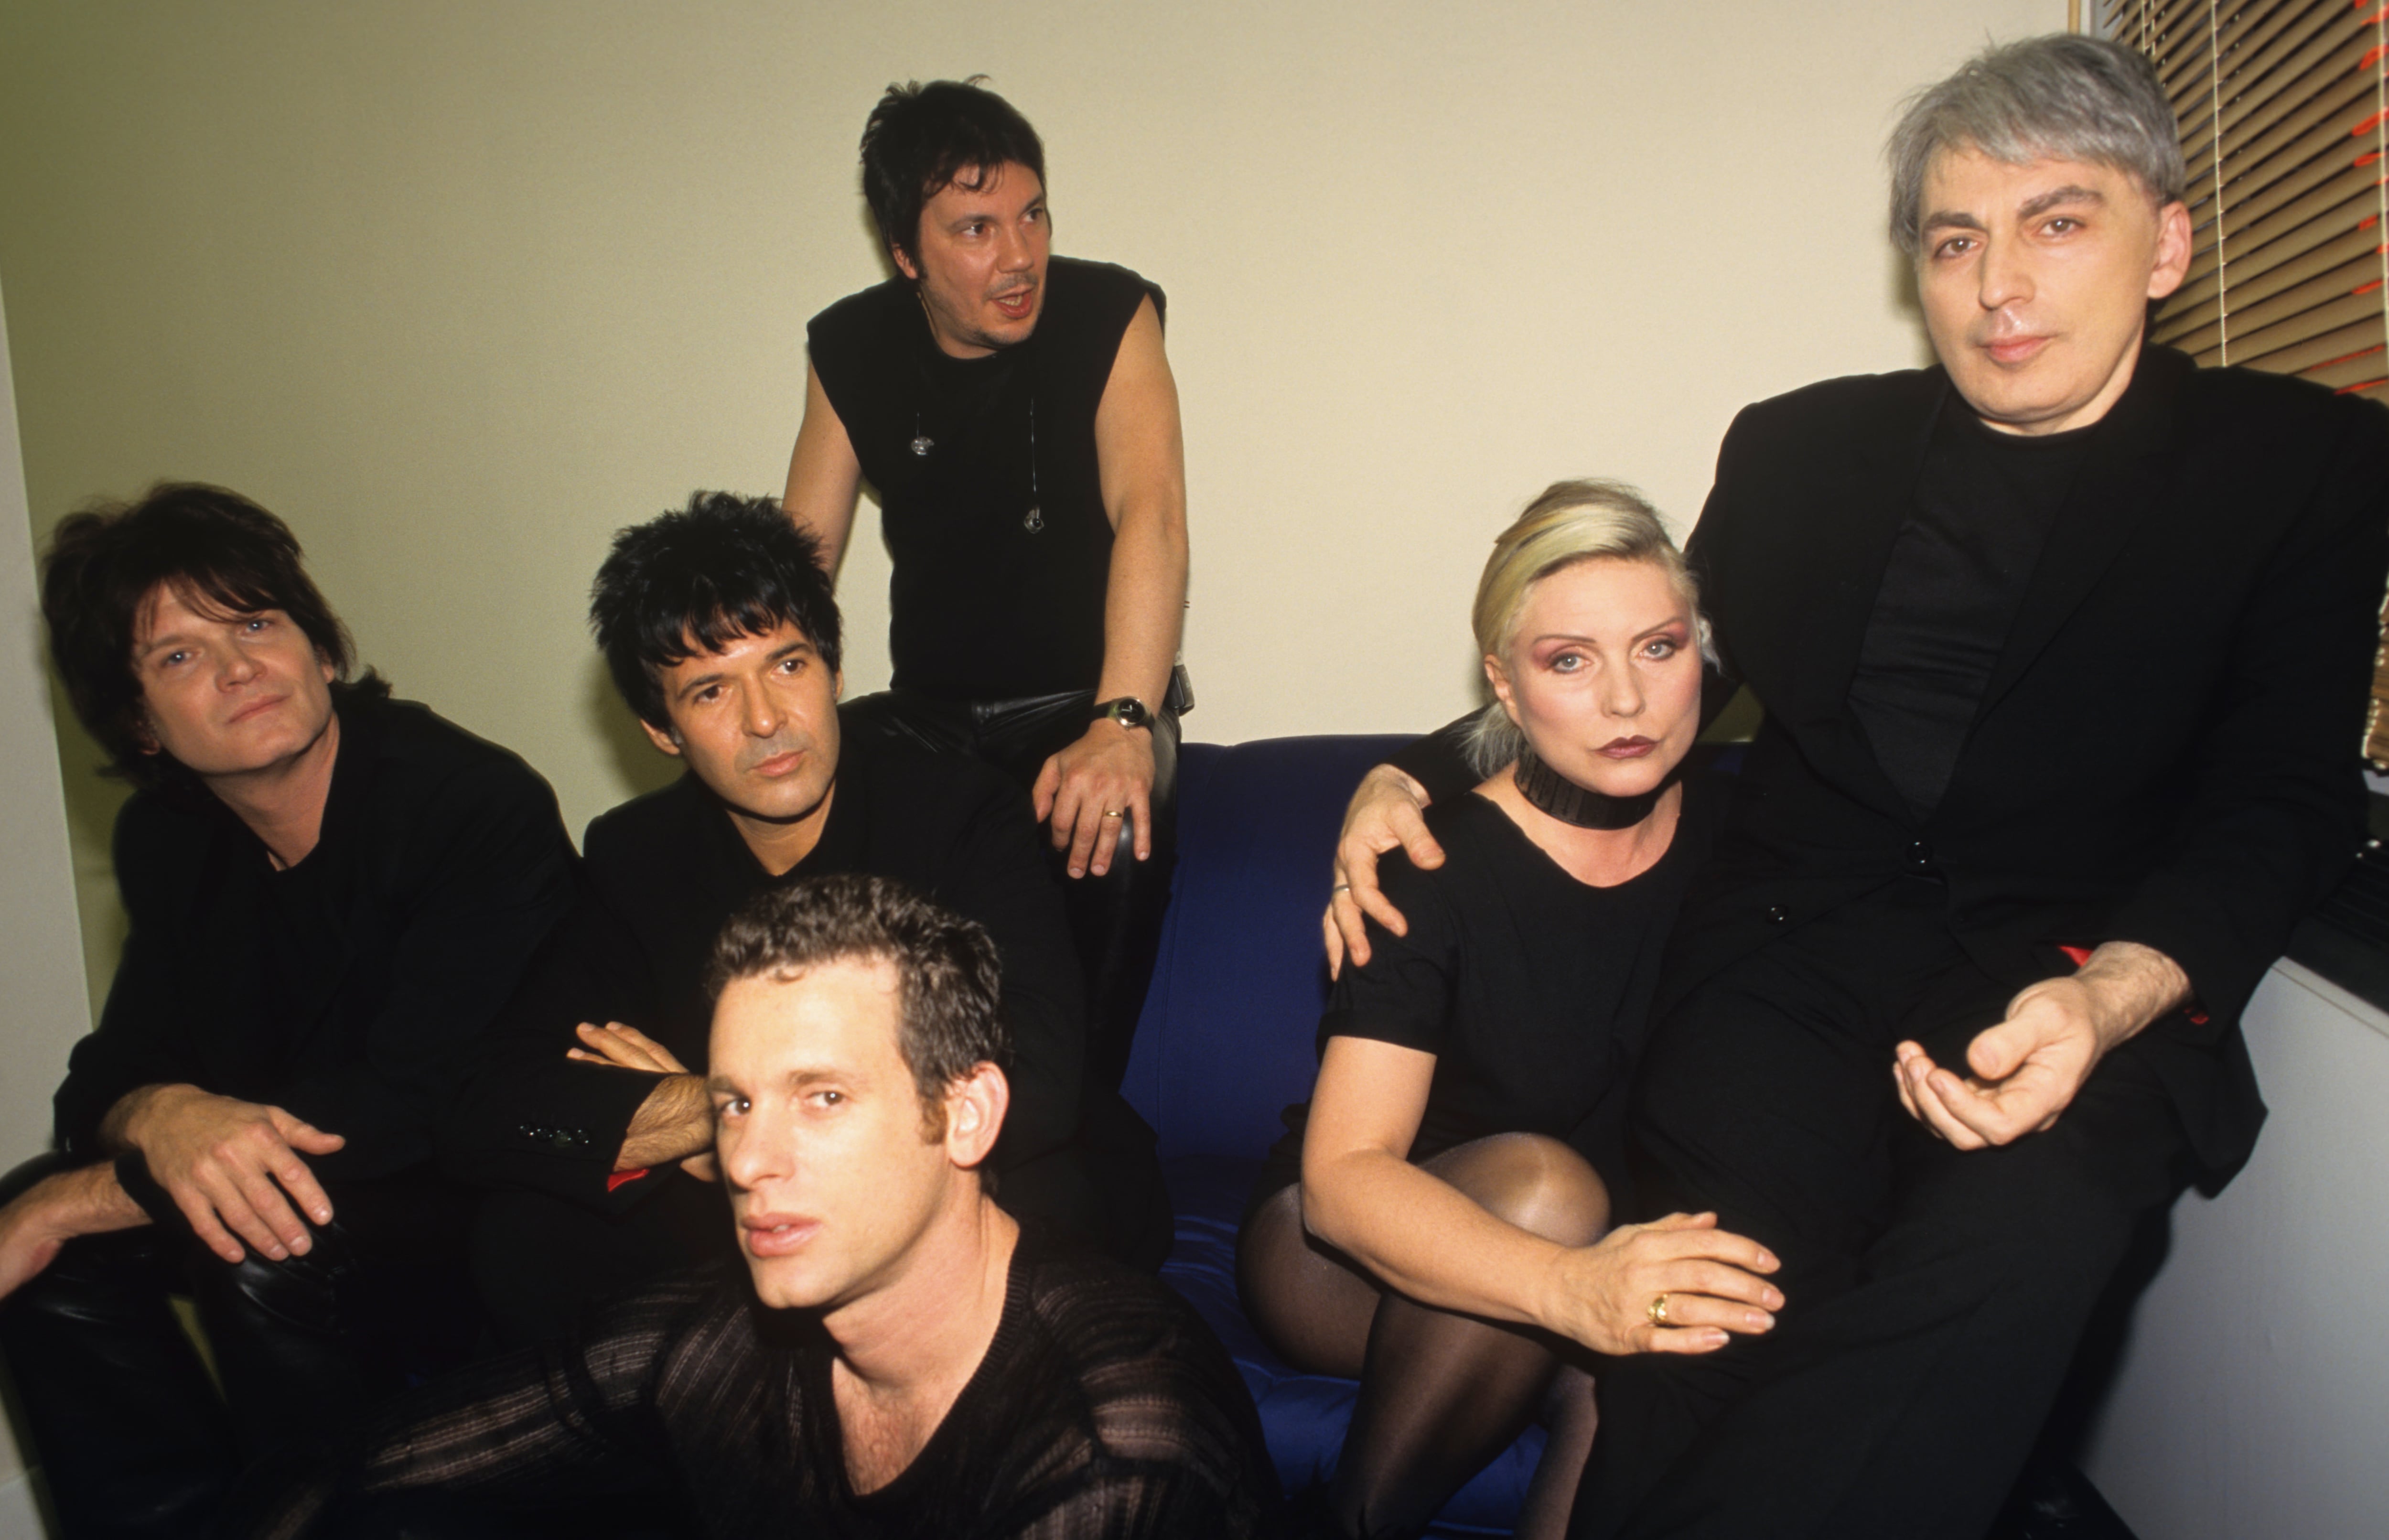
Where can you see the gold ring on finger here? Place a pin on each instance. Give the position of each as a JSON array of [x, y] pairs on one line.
[[1111, 812], [1659, 1311]]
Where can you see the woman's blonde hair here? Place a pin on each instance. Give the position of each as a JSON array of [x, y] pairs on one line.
[[1572, 521]]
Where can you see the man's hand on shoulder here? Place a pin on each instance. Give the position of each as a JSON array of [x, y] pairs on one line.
[[2026, 1069], [1386, 813], [1087, 789], [53, 1212], [228, 1165]]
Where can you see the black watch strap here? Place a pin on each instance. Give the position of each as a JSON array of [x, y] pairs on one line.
[[1128, 710]]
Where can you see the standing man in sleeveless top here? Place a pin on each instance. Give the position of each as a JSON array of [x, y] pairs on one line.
[[1016, 416]]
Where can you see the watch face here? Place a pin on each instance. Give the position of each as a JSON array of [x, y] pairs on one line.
[[1128, 711]]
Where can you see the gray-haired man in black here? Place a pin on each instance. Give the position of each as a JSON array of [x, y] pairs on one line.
[[2064, 647]]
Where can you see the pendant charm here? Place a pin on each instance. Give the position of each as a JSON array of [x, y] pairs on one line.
[[1034, 520], [923, 444]]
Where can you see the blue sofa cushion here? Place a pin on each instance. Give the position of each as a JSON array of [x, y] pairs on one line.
[[1303, 1415], [1226, 1042]]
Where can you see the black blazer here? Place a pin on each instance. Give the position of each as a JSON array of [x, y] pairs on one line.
[[346, 989], [665, 870], [2167, 751]]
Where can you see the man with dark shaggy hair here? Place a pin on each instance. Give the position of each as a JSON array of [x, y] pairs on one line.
[[331, 893], [587, 1110], [1015, 416], [896, 1355]]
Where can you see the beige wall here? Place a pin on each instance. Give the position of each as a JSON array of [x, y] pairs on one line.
[[41, 973], [459, 288]]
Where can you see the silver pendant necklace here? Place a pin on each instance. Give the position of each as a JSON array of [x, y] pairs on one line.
[[1034, 520]]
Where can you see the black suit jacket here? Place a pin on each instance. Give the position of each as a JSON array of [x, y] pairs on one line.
[[347, 989], [2167, 751], [665, 870]]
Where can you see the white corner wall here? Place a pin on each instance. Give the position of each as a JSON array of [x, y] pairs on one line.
[[40, 947], [2252, 1402]]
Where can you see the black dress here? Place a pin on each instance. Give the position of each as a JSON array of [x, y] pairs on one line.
[[1532, 990], [1103, 1410]]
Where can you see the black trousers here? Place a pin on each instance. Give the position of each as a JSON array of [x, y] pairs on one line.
[[1115, 918], [1934, 1297], [132, 1434]]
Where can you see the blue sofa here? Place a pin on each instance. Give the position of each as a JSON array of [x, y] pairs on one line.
[[1225, 1043]]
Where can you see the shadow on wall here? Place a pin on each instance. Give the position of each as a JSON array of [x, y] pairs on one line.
[[1902, 288], [642, 766], [92, 800]]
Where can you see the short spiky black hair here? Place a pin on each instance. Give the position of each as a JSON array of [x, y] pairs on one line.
[[922, 138], [697, 580], [212, 546]]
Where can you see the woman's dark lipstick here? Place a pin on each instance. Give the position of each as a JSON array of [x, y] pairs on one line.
[[1627, 748]]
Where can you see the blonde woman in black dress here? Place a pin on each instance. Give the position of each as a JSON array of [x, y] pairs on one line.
[[1437, 1220]]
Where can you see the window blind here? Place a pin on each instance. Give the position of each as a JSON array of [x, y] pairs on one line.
[[2284, 113]]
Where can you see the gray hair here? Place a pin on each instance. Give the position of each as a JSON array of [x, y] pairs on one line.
[[2060, 98], [1572, 521]]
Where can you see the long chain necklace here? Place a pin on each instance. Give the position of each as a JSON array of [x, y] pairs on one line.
[[1034, 520]]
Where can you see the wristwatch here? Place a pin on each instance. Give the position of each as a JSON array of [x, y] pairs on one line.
[[1128, 710]]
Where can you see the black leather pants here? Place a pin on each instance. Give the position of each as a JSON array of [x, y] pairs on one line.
[[130, 1428], [1115, 918]]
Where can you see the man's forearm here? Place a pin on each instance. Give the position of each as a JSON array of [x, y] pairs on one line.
[[2131, 985], [118, 1129], [1142, 451], [56, 1210], [675, 1122], [1144, 604], [89, 1201]]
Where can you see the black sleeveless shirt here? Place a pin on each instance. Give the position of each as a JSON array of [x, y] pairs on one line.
[[982, 605]]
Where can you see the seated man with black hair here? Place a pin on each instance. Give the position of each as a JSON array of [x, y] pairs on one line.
[[896, 1355], [587, 1108], [331, 892]]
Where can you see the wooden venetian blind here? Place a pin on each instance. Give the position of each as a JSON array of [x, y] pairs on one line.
[[2284, 113]]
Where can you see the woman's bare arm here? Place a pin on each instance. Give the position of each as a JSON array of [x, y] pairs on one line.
[[1427, 1240]]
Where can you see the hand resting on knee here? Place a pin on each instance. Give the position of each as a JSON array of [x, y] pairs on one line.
[[1429, 1240], [233, 1167], [2026, 1069]]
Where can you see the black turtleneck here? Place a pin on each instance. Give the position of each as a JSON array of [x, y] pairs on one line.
[[1984, 504]]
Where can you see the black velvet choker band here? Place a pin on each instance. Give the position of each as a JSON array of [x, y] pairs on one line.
[[1549, 791]]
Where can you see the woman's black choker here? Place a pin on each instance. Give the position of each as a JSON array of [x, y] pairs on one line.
[[1547, 790]]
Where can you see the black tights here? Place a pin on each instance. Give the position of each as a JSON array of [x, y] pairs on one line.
[[1441, 1393]]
